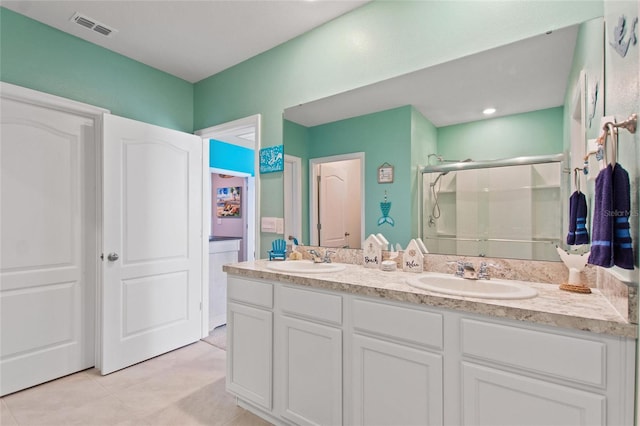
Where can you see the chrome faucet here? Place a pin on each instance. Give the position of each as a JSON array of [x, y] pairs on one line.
[[315, 256], [318, 258], [483, 273], [327, 254], [469, 272], [465, 270]]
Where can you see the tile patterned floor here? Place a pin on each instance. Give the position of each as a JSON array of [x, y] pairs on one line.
[[181, 388]]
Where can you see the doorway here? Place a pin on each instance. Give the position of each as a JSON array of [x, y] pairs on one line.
[[244, 133], [48, 275], [337, 181], [230, 201]]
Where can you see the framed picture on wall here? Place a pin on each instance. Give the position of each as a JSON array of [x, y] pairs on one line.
[[272, 159], [228, 202], [385, 173]]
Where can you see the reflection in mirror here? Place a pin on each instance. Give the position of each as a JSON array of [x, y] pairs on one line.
[[336, 201], [438, 110], [506, 212]]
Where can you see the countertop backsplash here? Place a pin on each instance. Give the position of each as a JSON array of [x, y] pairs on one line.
[[622, 296]]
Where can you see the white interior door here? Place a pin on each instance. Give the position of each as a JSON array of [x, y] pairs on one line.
[[152, 242], [47, 259], [336, 200], [332, 199]]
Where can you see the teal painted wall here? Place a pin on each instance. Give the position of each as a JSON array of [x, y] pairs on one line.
[[533, 133], [43, 58], [380, 40], [223, 155]]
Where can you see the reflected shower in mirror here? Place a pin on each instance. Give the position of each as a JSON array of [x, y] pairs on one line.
[[506, 211], [400, 121]]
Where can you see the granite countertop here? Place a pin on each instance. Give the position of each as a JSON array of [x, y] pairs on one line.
[[588, 312]]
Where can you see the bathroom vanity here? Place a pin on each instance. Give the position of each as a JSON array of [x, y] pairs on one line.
[[361, 347]]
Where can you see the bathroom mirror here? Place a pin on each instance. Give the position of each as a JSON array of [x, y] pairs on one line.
[[438, 110]]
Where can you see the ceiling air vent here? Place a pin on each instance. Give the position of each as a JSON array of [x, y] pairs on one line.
[[92, 24]]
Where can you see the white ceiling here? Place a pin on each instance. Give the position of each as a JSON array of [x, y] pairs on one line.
[[189, 39], [529, 75]]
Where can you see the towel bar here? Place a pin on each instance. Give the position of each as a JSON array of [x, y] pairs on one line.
[[609, 128]]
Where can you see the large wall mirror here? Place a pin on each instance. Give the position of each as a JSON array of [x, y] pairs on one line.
[[540, 87]]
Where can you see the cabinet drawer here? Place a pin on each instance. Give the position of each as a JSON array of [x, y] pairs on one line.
[[256, 293], [311, 304], [398, 323], [559, 355]]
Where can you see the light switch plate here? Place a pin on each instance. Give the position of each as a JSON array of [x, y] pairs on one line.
[[268, 224]]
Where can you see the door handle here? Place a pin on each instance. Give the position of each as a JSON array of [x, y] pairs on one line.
[[112, 257]]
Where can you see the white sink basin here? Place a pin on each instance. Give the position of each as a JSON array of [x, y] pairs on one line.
[[305, 267], [487, 289]]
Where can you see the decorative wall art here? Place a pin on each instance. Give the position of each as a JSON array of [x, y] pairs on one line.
[[228, 202], [385, 173], [385, 207], [624, 35], [272, 159]]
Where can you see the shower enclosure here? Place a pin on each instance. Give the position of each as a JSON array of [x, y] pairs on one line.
[[510, 208]]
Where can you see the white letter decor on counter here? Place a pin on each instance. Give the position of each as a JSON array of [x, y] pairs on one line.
[[372, 252]]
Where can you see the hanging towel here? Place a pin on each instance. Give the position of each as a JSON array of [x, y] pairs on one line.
[[622, 245], [602, 228], [578, 233]]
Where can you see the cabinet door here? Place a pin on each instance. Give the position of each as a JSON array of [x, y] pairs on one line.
[[493, 397], [249, 359], [395, 384], [311, 372]]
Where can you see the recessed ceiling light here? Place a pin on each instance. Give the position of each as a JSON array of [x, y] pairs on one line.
[[489, 111]]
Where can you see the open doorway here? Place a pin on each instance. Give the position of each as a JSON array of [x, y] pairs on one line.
[[242, 133], [231, 202], [337, 200]]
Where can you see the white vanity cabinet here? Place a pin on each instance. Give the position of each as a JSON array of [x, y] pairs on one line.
[[525, 374], [309, 356], [397, 365], [341, 358], [250, 341]]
